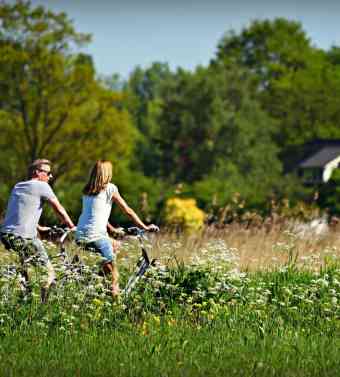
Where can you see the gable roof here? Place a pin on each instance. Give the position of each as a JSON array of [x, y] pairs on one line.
[[321, 157]]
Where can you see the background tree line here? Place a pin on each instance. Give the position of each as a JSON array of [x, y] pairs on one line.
[[234, 126]]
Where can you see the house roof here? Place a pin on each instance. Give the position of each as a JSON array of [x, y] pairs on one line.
[[321, 157]]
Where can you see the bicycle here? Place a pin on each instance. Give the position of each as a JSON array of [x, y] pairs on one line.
[[74, 267], [16, 276], [71, 269]]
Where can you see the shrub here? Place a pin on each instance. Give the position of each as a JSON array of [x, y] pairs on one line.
[[183, 214]]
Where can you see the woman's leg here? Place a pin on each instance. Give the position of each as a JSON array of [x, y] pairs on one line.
[[110, 267], [116, 246], [105, 248]]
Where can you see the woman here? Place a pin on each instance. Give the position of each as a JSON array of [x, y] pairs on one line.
[[99, 194]]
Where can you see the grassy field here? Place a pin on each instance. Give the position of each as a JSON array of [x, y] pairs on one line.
[[232, 302]]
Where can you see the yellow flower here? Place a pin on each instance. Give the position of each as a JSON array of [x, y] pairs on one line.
[[97, 302]]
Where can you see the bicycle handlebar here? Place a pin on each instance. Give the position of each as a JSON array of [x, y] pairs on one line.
[[135, 231], [66, 233], [60, 232]]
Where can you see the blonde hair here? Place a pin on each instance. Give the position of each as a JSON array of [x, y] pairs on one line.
[[36, 165], [100, 176]]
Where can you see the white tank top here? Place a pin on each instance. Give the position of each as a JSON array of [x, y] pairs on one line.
[[92, 223]]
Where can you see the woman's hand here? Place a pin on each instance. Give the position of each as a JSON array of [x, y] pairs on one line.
[[152, 228]]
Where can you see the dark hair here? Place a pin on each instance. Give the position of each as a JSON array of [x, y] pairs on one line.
[[36, 165]]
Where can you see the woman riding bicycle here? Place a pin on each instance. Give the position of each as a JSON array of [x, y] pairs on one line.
[[98, 195]]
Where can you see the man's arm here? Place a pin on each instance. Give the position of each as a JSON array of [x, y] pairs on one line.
[[110, 228], [61, 212], [114, 230]]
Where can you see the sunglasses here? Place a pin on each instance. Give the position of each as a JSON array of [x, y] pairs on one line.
[[48, 173]]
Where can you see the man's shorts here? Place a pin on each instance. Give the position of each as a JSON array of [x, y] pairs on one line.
[[102, 246], [30, 250]]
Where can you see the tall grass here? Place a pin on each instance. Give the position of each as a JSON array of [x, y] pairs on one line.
[[252, 248]]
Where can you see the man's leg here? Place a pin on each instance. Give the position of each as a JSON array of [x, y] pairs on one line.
[[43, 260], [24, 273], [21, 247]]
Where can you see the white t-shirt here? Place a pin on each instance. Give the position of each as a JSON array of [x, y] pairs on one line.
[[92, 223]]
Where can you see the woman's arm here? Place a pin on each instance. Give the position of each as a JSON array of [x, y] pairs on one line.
[[131, 213]]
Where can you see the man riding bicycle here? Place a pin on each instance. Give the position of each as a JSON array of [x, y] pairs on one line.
[[19, 229]]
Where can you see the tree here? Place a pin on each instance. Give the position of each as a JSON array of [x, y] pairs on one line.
[[269, 48], [51, 104], [144, 101], [305, 103], [298, 84], [333, 55], [212, 130]]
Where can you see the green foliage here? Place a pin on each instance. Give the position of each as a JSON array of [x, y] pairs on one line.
[[210, 123], [142, 193], [270, 48], [233, 127], [200, 127], [186, 316], [4, 194], [298, 84], [51, 104], [144, 101], [329, 194], [305, 104]]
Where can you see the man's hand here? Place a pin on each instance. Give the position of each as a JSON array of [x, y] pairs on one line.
[[43, 229], [115, 231], [118, 232]]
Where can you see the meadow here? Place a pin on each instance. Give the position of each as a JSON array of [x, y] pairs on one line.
[[235, 301]]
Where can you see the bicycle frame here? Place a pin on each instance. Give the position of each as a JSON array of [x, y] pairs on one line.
[[143, 263]]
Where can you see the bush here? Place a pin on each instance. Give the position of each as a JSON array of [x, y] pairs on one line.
[[183, 214]]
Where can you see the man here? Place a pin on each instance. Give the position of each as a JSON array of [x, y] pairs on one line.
[[19, 229]]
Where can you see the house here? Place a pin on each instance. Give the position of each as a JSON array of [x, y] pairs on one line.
[[322, 158]]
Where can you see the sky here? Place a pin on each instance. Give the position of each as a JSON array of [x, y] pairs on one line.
[[130, 33]]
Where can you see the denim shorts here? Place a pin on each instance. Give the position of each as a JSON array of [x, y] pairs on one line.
[[29, 249], [102, 246]]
